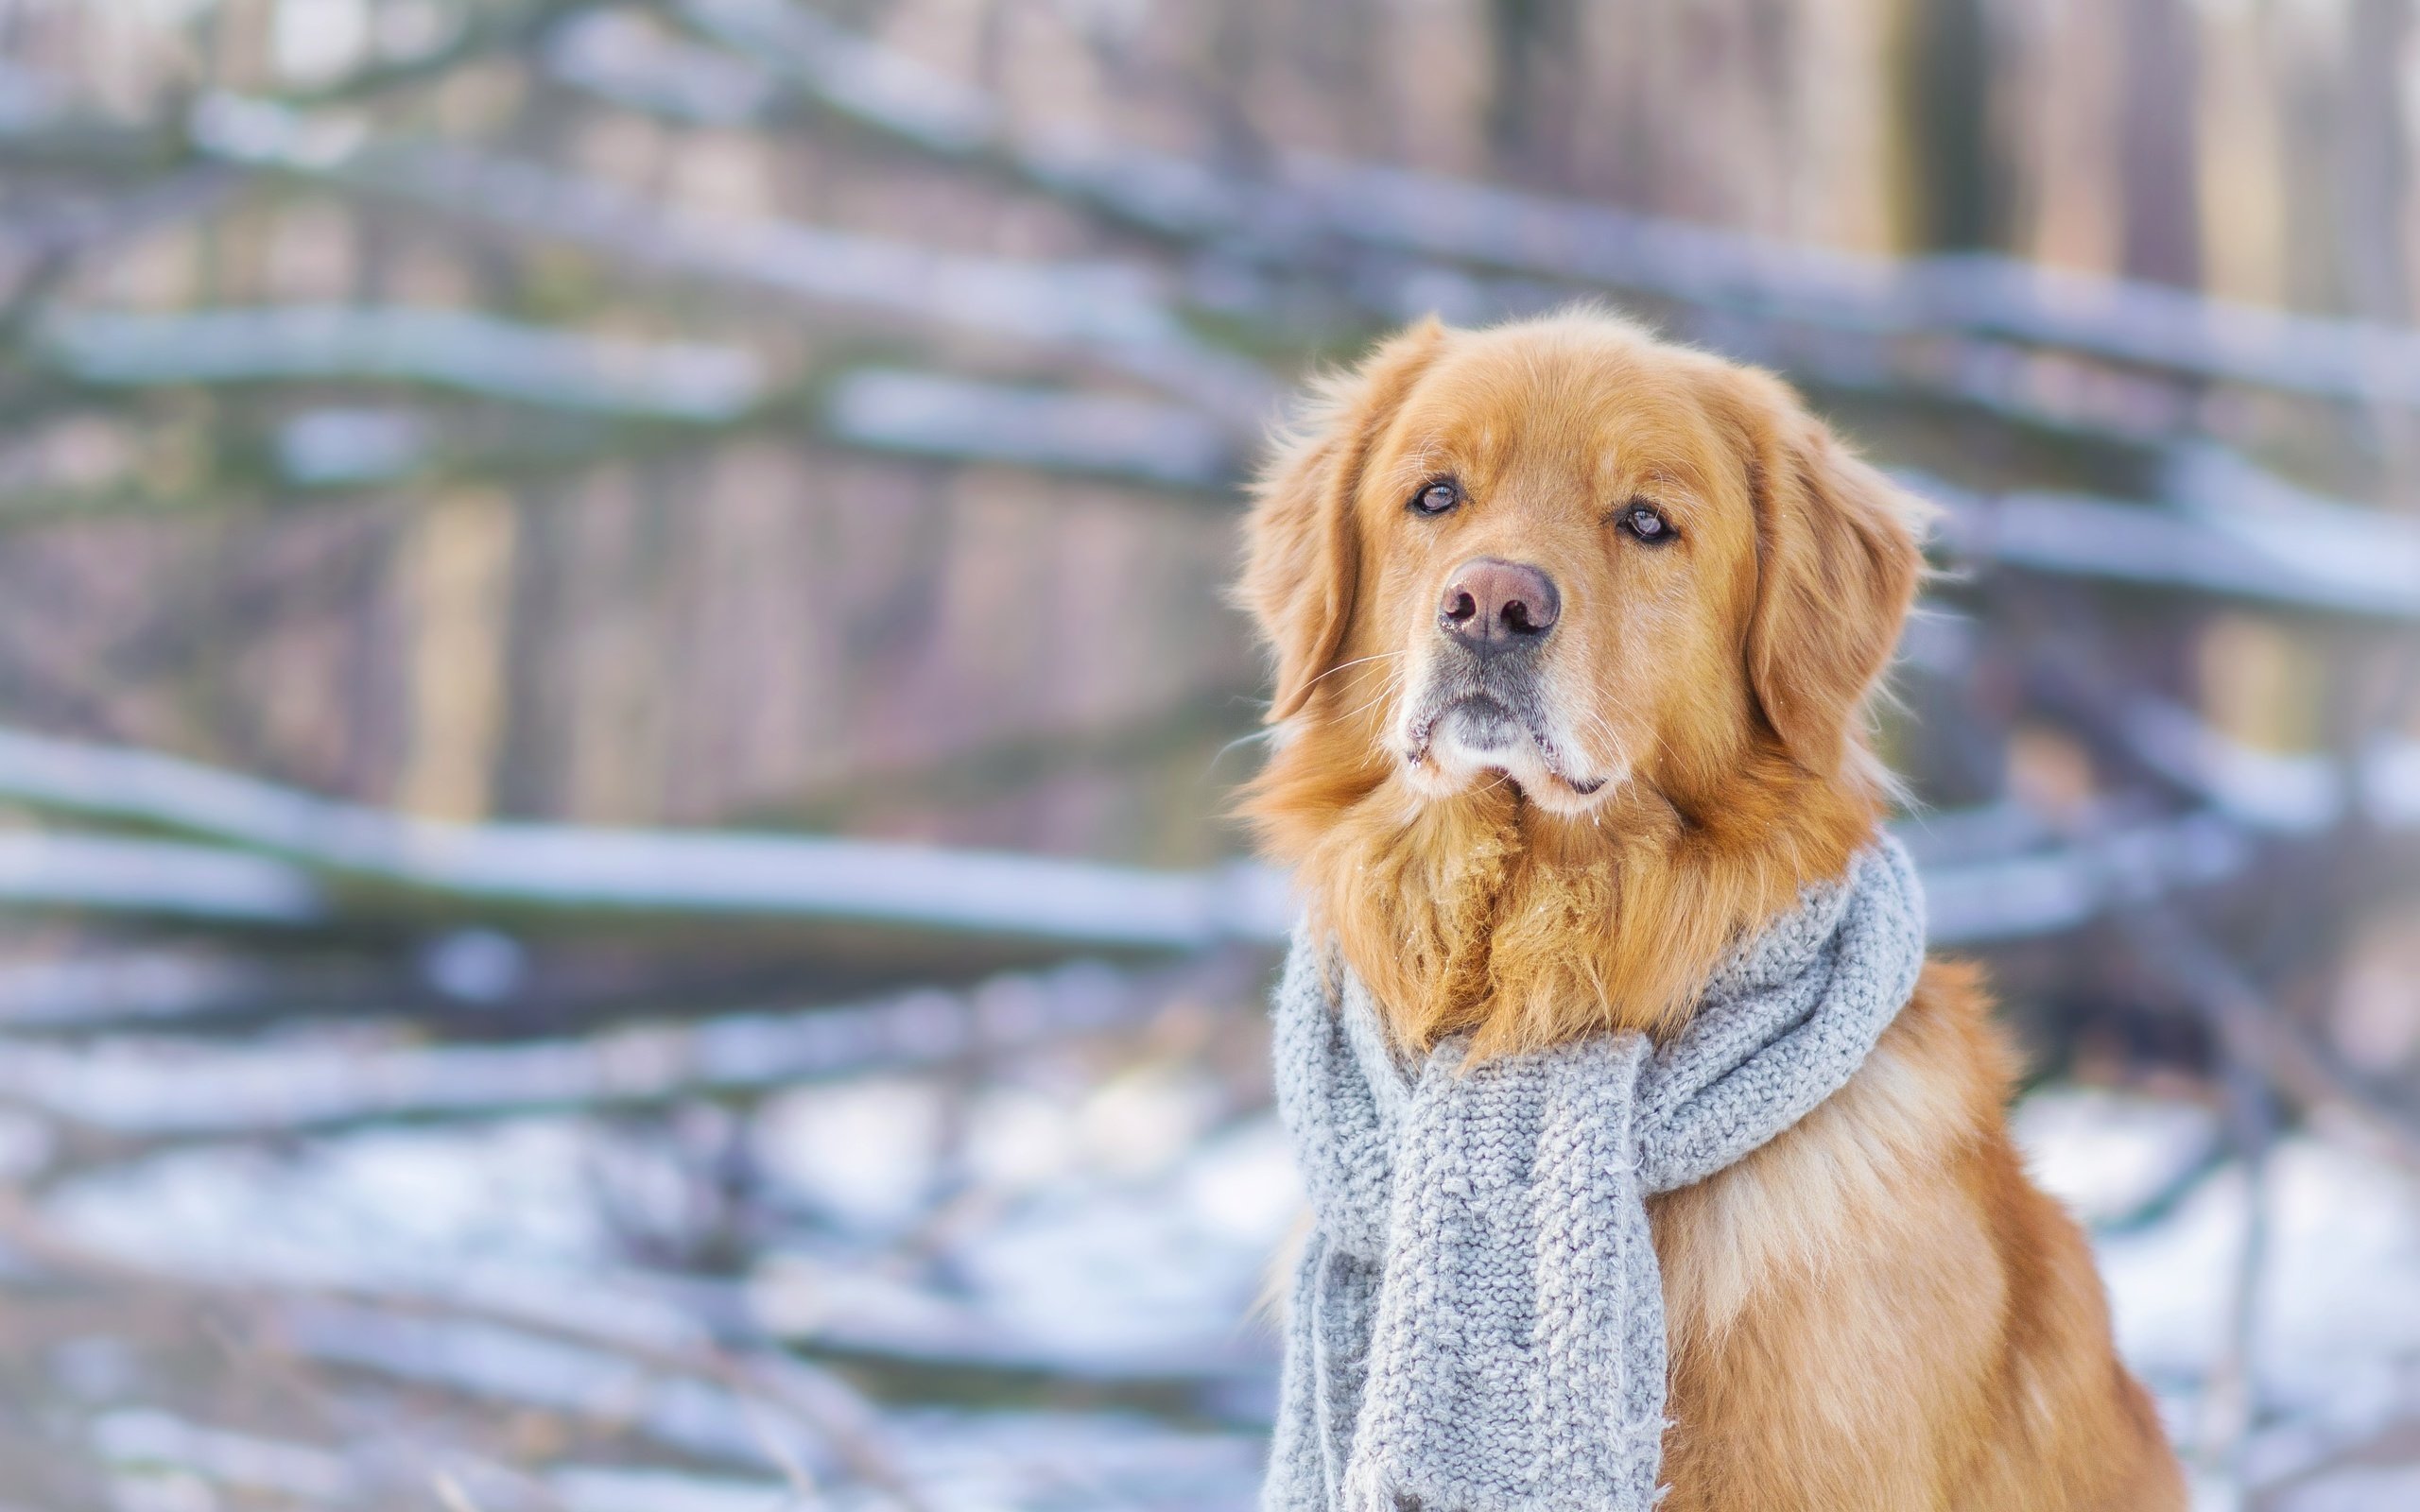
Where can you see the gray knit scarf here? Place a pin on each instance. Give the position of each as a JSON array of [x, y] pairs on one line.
[[1478, 1321]]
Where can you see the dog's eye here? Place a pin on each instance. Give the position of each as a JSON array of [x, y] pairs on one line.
[[1437, 496], [1646, 522]]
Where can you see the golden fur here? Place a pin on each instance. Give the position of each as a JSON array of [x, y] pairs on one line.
[[1876, 1310]]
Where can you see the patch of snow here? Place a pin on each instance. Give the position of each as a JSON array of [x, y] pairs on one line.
[[2171, 1285], [137, 1437], [26, 1144], [2376, 1489], [1019, 1138], [1142, 1122], [370, 1206], [1169, 1268], [1078, 1462], [2104, 1153], [619, 1488], [864, 1153], [1244, 1185]]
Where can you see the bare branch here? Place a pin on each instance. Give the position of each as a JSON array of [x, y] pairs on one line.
[[455, 349], [1110, 313], [270, 1088], [1401, 211]]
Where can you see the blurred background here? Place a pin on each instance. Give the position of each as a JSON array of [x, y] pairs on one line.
[[615, 706]]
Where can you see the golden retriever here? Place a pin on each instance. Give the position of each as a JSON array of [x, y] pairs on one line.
[[1574, 634]]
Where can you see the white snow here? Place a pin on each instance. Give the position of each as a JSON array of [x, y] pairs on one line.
[[1108, 1222]]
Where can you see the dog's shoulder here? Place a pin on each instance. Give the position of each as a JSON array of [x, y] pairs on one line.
[[1877, 1307], [1885, 1151]]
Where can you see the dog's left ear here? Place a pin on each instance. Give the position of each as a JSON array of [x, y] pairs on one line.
[[1837, 568]]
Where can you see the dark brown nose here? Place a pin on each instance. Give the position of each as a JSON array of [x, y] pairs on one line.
[[1491, 605]]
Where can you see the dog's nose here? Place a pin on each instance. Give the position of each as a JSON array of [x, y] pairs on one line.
[[1491, 605]]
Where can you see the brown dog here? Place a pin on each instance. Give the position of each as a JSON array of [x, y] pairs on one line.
[[1574, 633]]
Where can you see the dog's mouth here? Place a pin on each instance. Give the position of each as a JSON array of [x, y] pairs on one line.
[[1482, 723], [1492, 731]]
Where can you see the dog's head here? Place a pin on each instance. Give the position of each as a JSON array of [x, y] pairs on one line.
[[1574, 631], [1567, 554]]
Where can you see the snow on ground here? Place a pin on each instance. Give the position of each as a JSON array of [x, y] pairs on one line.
[[2335, 1337], [1036, 1284]]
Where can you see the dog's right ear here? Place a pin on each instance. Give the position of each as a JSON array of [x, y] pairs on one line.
[[1303, 553]]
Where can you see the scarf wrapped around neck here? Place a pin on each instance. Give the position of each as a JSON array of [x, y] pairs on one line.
[[1476, 1322]]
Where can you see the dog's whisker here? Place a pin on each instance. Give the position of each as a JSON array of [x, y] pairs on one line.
[[1375, 655], [1388, 690], [1615, 746], [1249, 738]]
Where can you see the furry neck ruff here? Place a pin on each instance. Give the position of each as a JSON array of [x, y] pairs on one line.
[[1476, 1322]]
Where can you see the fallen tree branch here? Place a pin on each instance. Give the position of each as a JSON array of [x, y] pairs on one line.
[[454, 349], [2357, 572], [1399, 211], [673, 1383], [640, 871], [174, 1087], [1108, 313], [2256, 1033]]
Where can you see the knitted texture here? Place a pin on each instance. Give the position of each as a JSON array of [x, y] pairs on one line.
[[1476, 1322]]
